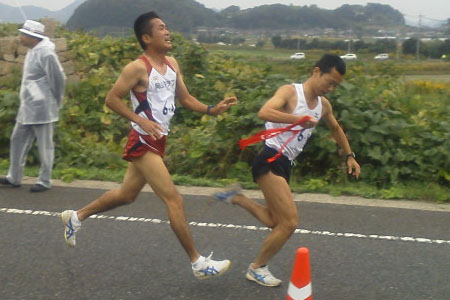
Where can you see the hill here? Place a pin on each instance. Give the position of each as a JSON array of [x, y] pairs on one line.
[[180, 15], [279, 16], [12, 14], [187, 15]]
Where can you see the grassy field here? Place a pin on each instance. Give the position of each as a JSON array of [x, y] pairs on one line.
[[444, 78], [411, 69], [260, 53]]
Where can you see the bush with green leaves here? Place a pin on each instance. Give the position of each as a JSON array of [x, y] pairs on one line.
[[399, 133], [9, 29], [398, 129]]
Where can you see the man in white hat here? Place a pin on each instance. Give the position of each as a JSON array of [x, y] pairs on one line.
[[41, 94]]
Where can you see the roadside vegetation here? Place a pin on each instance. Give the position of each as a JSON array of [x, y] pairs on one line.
[[397, 127]]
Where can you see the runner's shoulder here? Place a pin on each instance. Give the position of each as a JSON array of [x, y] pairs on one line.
[[173, 62], [325, 101], [288, 91], [326, 105], [136, 67]]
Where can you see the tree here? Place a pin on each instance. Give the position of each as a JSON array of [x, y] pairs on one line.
[[276, 41], [260, 44], [410, 46], [383, 46], [445, 47]]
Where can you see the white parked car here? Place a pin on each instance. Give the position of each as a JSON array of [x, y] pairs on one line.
[[382, 56], [349, 56], [298, 55]]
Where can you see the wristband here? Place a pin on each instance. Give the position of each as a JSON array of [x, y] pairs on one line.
[[208, 110], [351, 154]]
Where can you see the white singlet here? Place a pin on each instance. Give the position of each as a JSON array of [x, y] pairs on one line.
[[295, 146], [158, 102]]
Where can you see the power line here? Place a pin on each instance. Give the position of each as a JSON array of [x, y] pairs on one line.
[[424, 17], [21, 11]]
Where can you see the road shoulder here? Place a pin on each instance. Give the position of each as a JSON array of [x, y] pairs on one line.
[[256, 194]]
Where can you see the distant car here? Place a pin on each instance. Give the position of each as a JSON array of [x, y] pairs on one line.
[[298, 55], [382, 56], [349, 56]]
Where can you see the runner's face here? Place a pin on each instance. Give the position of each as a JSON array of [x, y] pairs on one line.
[[160, 35], [327, 82]]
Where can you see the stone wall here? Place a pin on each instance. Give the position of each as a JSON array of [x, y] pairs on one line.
[[12, 55]]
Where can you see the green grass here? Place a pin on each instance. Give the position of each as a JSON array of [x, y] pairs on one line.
[[434, 78], [408, 190], [428, 69], [253, 53]]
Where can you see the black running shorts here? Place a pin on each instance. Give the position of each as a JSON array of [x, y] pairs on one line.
[[281, 167]]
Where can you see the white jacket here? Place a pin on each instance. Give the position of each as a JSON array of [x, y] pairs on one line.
[[42, 88]]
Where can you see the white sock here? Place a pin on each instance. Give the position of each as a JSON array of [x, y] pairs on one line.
[[75, 220], [196, 264]]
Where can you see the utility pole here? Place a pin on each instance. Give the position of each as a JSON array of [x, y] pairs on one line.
[[418, 38]]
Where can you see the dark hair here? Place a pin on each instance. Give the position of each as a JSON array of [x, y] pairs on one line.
[[142, 26], [330, 61]]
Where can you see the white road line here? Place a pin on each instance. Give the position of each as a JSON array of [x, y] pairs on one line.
[[257, 194], [239, 227]]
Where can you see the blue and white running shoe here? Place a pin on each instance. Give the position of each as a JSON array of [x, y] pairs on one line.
[[227, 194], [262, 276], [69, 228], [210, 268]]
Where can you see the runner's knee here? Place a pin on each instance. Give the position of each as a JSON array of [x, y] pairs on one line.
[[174, 201], [289, 224]]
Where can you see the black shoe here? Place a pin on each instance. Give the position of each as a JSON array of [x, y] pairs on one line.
[[38, 188], [5, 181]]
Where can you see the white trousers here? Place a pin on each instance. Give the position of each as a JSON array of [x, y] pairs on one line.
[[22, 139]]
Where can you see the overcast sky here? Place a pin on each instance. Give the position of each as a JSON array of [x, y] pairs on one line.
[[434, 9]]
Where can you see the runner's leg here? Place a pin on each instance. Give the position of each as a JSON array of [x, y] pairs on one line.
[[132, 184], [260, 212], [280, 203], [154, 170]]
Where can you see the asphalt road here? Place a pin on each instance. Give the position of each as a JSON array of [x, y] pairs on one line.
[[356, 252]]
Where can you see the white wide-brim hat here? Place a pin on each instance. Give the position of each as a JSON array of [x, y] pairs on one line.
[[33, 28]]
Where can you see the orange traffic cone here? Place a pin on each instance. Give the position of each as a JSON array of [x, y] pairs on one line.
[[300, 285]]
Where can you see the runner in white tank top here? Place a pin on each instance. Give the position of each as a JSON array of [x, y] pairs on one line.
[[287, 106], [295, 146], [153, 81]]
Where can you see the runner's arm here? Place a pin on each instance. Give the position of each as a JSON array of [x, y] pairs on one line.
[[192, 103], [278, 109], [340, 137]]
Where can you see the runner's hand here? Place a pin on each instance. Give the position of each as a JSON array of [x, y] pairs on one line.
[[310, 123], [153, 129], [223, 105], [353, 167]]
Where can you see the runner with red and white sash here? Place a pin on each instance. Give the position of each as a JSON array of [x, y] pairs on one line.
[[291, 116]]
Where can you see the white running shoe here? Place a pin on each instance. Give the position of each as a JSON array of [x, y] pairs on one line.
[[228, 193], [210, 268], [69, 228], [262, 276]]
